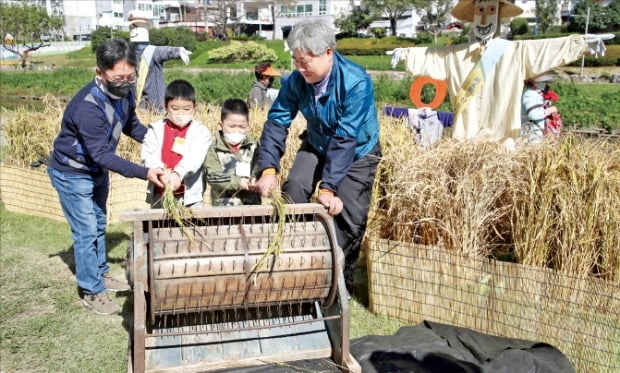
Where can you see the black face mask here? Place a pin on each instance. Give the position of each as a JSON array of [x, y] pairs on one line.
[[120, 90]]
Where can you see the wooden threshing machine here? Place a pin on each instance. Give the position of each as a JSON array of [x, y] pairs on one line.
[[202, 303]]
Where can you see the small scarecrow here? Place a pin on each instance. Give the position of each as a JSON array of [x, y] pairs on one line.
[[485, 77], [151, 85]]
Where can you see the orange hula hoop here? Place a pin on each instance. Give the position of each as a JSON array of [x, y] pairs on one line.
[[415, 91]]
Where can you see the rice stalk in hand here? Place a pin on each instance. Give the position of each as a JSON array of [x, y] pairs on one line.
[[176, 211], [274, 249]]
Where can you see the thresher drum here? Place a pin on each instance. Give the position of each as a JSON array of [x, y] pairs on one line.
[[211, 298]]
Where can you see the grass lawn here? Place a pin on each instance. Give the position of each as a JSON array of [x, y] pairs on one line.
[[43, 325]]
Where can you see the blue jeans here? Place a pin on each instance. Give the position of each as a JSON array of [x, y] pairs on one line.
[[83, 199]]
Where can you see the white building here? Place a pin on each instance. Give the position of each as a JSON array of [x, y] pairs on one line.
[[253, 17]]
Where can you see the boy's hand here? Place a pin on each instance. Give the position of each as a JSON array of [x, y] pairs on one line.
[[266, 183], [175, 181], [244, 183], [252, 185]]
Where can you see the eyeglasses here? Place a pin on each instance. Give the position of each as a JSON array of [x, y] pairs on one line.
[[118, 80], [307, 60]]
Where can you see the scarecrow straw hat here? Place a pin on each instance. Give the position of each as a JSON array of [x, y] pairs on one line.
[[464, 10]]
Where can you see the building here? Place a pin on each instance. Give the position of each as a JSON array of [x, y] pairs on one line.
[[266, 18]]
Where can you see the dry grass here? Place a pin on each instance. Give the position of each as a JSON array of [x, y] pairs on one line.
[[552, 205]]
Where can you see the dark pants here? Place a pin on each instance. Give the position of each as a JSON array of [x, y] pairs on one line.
[[354, 191]]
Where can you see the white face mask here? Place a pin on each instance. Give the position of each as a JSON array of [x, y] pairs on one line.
[[181, 120], [485, 19], [233, 138]]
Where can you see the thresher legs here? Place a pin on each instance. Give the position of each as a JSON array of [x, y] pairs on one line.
[[139, 332]]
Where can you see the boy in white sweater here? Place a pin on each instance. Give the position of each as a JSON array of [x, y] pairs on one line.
[[177, 144]]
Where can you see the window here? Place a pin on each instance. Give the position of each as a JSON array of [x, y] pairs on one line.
[[301, 10], [322, 7]]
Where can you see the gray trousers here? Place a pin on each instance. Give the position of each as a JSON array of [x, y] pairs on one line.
[[354, 191]]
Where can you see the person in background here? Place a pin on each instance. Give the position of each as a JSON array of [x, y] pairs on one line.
[[261, 94], [426, 124], [535, 109], [340, 149], [177, 144], [82, 154], [231, 162], [151, 84]]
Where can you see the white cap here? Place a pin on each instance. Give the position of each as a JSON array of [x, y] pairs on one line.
[[139, 35]]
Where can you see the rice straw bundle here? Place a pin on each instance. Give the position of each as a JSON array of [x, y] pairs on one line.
[[274, 249], [176, 211]]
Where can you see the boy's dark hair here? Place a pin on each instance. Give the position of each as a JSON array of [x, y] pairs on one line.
[[180, 89], [112, 51], [234, 106]]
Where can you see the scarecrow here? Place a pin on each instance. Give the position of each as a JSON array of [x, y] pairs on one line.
[[485, 77], [151, 85]]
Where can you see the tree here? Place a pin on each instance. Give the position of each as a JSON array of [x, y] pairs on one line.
[[613, 11], [546, 13], [393, 9], [24, 29], [434, 15], [359, 19], [598, 21], [519, 26]]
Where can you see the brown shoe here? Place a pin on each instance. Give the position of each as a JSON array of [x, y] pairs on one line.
[[101, 304], [113, 284]]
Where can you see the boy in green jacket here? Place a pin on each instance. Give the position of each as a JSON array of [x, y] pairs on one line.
[[231, 161]]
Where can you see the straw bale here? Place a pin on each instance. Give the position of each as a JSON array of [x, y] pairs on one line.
[[30, 192], [579, 315]]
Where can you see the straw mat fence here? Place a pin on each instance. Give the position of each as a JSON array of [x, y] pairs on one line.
[[30, 192], [580, 316]]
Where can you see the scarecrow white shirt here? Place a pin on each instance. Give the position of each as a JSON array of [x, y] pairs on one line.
[[495, 112]]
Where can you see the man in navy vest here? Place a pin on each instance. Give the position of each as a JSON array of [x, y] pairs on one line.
[[82, 154]]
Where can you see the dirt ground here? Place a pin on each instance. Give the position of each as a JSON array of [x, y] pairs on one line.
[[595, 71]]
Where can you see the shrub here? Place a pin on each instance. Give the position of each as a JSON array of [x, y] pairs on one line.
[[378, 32], [519, 26], [175, 37], [247, 51]]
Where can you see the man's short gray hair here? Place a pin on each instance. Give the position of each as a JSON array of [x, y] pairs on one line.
[[312, 35]]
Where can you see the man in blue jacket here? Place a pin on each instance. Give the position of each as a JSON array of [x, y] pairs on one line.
[[340, 150], [84, 152]]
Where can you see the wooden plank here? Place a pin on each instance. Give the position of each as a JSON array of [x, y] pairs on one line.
[[216, 212], [280, 339], [202, 347], [169, 268], [163, 352]]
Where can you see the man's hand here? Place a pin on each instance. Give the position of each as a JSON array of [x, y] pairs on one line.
[[184, 53], [153, 176], [266, 183], [332, 203]]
